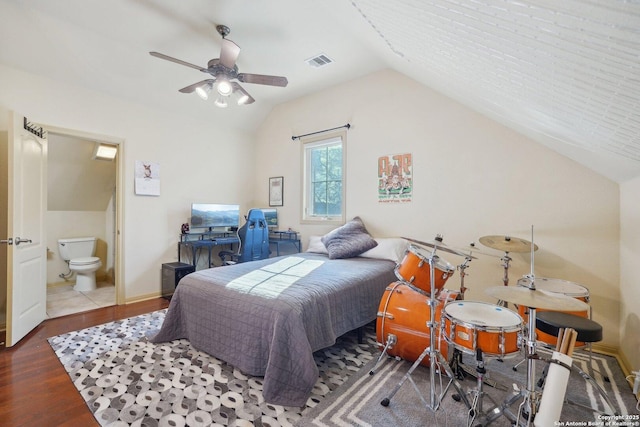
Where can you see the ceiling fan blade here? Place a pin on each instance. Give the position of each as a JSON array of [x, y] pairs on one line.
[[191, 88], [177, 61], [229, 53], [243, 93], [262, 79]]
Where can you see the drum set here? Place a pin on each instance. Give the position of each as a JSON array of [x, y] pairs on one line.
[[420, 320]]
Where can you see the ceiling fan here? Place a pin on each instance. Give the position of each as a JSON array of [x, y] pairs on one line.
[[223, 70]]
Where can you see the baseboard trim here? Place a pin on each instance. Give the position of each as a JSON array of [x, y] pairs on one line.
[[141, 298]]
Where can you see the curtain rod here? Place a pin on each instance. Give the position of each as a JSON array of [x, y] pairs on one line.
[[293, 138]]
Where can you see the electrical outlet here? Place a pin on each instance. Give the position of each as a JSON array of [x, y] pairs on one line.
[[636, 383]]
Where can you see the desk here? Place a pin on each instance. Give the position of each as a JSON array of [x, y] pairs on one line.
[[281, 237], [198, 241]]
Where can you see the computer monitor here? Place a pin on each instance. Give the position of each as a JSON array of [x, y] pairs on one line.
[[214, 215], [271, 216]]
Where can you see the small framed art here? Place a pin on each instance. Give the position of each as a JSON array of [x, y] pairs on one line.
[[276, 190]]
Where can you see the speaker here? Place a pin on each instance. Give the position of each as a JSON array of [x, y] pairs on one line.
[[172, 272]]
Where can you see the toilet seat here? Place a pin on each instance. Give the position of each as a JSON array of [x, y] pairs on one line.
[[84, 261]]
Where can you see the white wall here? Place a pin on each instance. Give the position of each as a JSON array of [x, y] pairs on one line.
[[472, 177], [629, 272], [188, 152]]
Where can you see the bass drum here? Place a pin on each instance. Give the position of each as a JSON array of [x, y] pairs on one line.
[[404, 312], [557, 286]]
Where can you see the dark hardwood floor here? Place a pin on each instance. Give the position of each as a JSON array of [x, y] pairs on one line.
[[35, 390]]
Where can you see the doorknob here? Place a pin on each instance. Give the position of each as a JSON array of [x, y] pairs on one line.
[[8, 241], [19, 240]]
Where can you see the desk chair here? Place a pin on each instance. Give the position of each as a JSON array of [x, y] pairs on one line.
[[254, 240]]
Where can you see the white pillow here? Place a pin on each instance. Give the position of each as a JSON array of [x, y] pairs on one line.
[[316, 245], [391, 248]]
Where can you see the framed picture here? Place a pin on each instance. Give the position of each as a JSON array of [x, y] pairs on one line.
[[276, 190]]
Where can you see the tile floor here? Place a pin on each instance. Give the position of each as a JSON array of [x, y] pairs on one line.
[[63, 300]]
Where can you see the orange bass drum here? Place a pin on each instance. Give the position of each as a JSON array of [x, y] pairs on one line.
[[404, 312]]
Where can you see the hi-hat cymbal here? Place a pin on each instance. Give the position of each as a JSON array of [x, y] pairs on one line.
[[441, 246], [473, 249], [507, 244], [537, 298]]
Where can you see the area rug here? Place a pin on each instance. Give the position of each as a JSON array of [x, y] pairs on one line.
[[358, 401], [128, 381]]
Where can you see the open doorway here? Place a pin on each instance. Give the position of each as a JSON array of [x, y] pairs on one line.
[[82, 212]]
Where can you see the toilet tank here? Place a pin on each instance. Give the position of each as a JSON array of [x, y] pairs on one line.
[[78, 247]]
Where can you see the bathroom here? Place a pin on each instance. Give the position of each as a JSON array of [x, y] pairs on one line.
[[80, 203]]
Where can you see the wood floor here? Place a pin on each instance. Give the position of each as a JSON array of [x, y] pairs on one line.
[[35, 390]]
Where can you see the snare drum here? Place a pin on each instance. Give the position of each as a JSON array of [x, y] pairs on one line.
[[404, 312], [414, 269], [471, 325], [557, 286]]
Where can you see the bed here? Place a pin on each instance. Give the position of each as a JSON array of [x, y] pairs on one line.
[[267, 317]]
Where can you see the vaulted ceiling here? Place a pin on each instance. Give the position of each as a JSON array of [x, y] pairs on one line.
[[565, 73]]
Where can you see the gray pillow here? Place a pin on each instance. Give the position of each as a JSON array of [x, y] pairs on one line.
[[348, 241]]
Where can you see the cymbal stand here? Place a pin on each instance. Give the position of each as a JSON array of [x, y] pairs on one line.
[[456, 360], [531, 398], [506, 260], [435, 356], [462, 267]]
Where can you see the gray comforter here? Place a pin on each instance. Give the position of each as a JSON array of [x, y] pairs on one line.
[[267, 317]]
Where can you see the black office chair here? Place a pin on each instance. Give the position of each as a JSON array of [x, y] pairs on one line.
[[254, 240]]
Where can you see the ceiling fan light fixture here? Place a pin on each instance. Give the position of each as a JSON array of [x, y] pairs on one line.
[[224, 88], [204, 91], [221, 102], [243, 99]]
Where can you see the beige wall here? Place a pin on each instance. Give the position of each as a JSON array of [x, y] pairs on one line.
[[188, 151], [472, 177], [3, 226], [629, 272]]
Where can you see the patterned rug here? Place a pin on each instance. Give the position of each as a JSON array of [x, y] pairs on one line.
[[128, 381]]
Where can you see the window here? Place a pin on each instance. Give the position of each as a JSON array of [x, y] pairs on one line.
[[323, 179]]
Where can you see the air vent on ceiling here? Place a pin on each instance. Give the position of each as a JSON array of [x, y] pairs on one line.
[[319, 61]]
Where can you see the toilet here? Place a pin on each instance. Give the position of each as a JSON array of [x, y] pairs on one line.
[[78, 253]]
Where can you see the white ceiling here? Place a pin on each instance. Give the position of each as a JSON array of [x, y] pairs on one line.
[[565, 73]]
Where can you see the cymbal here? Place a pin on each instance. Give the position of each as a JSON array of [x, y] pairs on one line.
[[473, 249], [507, 243], [537, 298], [441, 246]]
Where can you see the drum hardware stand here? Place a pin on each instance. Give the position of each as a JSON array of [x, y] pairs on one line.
[[457, 365], [506, 260], [531, 398], [476, 406], [462, 267], [392, 339], [460, 370], [435, 356]]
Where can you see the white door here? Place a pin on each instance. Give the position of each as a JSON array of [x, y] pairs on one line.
[[27, 247]]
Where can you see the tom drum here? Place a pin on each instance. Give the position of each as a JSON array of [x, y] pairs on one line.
[[415, 269]]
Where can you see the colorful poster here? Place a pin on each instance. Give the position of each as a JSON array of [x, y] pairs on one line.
[[395, 178]]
